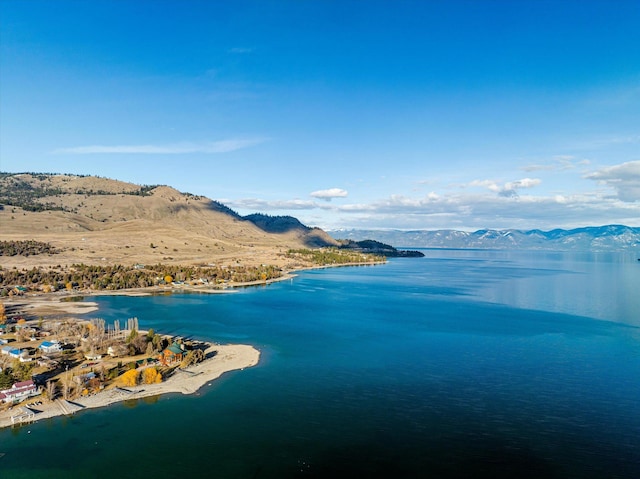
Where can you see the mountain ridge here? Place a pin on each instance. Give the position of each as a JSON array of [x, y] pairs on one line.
[[103, 221], [589, 238]]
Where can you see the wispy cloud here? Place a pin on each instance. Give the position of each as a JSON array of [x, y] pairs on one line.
[[624, 178], [222, 146], [240, 50], [607, 141], [558, 163], [329, 194], [255, 204]]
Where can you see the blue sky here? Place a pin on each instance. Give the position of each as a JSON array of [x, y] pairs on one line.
[[412, 115]]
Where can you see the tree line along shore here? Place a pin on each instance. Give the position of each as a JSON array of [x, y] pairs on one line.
[[113, 277]]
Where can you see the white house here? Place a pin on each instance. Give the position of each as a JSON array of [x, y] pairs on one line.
[[19, 392], [50, 347]]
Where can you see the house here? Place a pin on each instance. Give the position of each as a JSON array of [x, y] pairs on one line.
[[172, 354], [4, 341], [6, 349], [84, 378], [50, 347], [18, 353], [117, 350], [19, 290], [19, 392]]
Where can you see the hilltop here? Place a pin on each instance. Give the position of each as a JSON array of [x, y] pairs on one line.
[[93, 220]]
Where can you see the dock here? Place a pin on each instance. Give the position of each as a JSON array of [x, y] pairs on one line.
[[24, 416]]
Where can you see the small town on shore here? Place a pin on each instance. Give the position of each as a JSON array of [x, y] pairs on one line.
[[58, 365]]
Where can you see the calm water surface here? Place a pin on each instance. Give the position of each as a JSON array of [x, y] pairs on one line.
[[462, 364]]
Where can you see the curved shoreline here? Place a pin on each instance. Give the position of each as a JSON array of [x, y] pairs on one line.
[[229, 357], [57, 303]]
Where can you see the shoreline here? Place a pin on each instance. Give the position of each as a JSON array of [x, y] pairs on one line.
[[57, 303], [229, 357]]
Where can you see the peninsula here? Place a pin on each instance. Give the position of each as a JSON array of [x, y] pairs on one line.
[[68, 236], [52, 367]]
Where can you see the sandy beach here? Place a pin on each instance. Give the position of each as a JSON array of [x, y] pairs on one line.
[[227, 358]]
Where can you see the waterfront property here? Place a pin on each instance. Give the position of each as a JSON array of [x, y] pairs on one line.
[[19, 392], [172, 354]]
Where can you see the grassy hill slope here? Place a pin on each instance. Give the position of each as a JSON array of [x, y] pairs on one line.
[[102, 221]]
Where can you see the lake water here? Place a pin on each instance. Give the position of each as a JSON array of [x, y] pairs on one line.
[[462, 364]]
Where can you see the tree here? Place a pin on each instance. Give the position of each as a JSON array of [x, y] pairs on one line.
[[151, 376], [168, 279], [6, 379], [129, 378], [22, 371], [51, 390], [132, 335], [193, 357], [66, 389]]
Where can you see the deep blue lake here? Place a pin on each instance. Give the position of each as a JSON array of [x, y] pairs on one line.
[[462, 364]]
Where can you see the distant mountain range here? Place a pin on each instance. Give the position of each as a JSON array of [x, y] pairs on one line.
[[591, 238]]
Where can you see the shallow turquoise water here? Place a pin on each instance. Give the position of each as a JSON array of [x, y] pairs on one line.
[[460, 364]]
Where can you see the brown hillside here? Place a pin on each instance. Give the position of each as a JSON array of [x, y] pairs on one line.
[[107, 221]]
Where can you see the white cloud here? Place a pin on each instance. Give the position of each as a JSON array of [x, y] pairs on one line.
[[329, 194], [624, 178], [222, 146], [511, 188], [491, 207], [488, 211], [508, 189], [491, 185]]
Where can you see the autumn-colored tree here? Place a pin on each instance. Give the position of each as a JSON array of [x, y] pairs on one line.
[[193, 357], [168, 279], [129, 378], [3, 314], [151, 376]]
